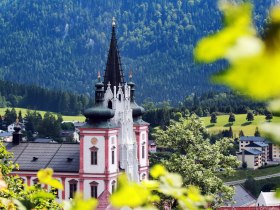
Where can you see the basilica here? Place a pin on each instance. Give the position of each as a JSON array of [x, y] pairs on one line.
[[113, 140]]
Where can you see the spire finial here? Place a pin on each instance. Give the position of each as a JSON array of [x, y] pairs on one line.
[[113, 22], [98, 76]]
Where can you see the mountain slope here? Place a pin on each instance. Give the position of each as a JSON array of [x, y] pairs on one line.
[[62, 44]]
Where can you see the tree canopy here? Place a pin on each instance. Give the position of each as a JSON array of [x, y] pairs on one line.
[[195, 158]]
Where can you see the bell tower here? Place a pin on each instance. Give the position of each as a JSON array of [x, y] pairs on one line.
[[114, 138]]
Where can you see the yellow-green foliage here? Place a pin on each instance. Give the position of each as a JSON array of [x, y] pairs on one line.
[[254, 62], [240, 124]]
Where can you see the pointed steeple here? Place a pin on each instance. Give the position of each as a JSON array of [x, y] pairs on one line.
[[113, 72]]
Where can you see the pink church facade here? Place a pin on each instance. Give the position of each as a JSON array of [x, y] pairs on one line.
[[113, 140]]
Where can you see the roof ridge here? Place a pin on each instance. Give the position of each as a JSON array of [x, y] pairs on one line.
[[53, 155]]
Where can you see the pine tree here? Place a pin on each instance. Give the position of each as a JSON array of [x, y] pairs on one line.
[[257, 132], [213, 118], [250, 116], [231, 118], [230, 132], [241, 133], [268, 116]]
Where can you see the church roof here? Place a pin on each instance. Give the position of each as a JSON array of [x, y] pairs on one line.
[[113, 72], [34, 156]]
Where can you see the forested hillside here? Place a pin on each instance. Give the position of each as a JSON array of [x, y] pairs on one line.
[[62, 44], [37, 98]]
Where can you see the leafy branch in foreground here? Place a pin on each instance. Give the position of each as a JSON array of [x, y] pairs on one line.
[[254, 60]]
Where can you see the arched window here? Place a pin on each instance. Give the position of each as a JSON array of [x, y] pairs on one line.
[[93, 155], [120, 97], [94, 189]]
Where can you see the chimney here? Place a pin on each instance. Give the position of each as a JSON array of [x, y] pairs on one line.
[[17, 135]]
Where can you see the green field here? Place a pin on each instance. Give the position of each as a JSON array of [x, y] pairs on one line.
[[240, 124], [66, 118], [243, 174]]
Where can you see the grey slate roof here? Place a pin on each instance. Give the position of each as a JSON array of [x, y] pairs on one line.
[[241, 197], [252, 138], [257, 144], [34, 156], [251, 152]]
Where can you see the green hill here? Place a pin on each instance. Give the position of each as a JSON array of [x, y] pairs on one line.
[[240, 124]]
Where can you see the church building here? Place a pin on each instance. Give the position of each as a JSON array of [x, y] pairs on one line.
[[113, 140]]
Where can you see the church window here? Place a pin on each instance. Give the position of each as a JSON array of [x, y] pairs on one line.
[[72, 187], [143, 151], [94, 189], [93, 155], [36, 182], [120, 97], [143, 176], [110, 105], [113, 186], [113, 156]]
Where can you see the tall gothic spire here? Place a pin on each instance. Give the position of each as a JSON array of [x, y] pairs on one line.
[[113, 72]]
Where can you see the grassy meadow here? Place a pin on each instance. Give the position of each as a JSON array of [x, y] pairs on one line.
[[240, 124], [80, 118]]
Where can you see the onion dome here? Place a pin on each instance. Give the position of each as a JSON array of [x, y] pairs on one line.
[[98, 112], [137, 111]]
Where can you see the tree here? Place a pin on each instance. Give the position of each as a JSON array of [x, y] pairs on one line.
[[257, 132], [241, 133], [231, 118], [213, 118], [250, 116], [19, 116], [268, 116], [195, 158], [230, 132]]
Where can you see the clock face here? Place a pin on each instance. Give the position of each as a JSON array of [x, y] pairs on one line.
[[94, 141]]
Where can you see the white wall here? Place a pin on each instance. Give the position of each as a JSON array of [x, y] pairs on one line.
[[100, 167]]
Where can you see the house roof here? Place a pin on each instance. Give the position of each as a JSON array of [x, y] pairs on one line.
[[44, 140], [5, 134], [34, 156], [242, 197], [268, 199], [252, 138], [251, 152], [257, 144]]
